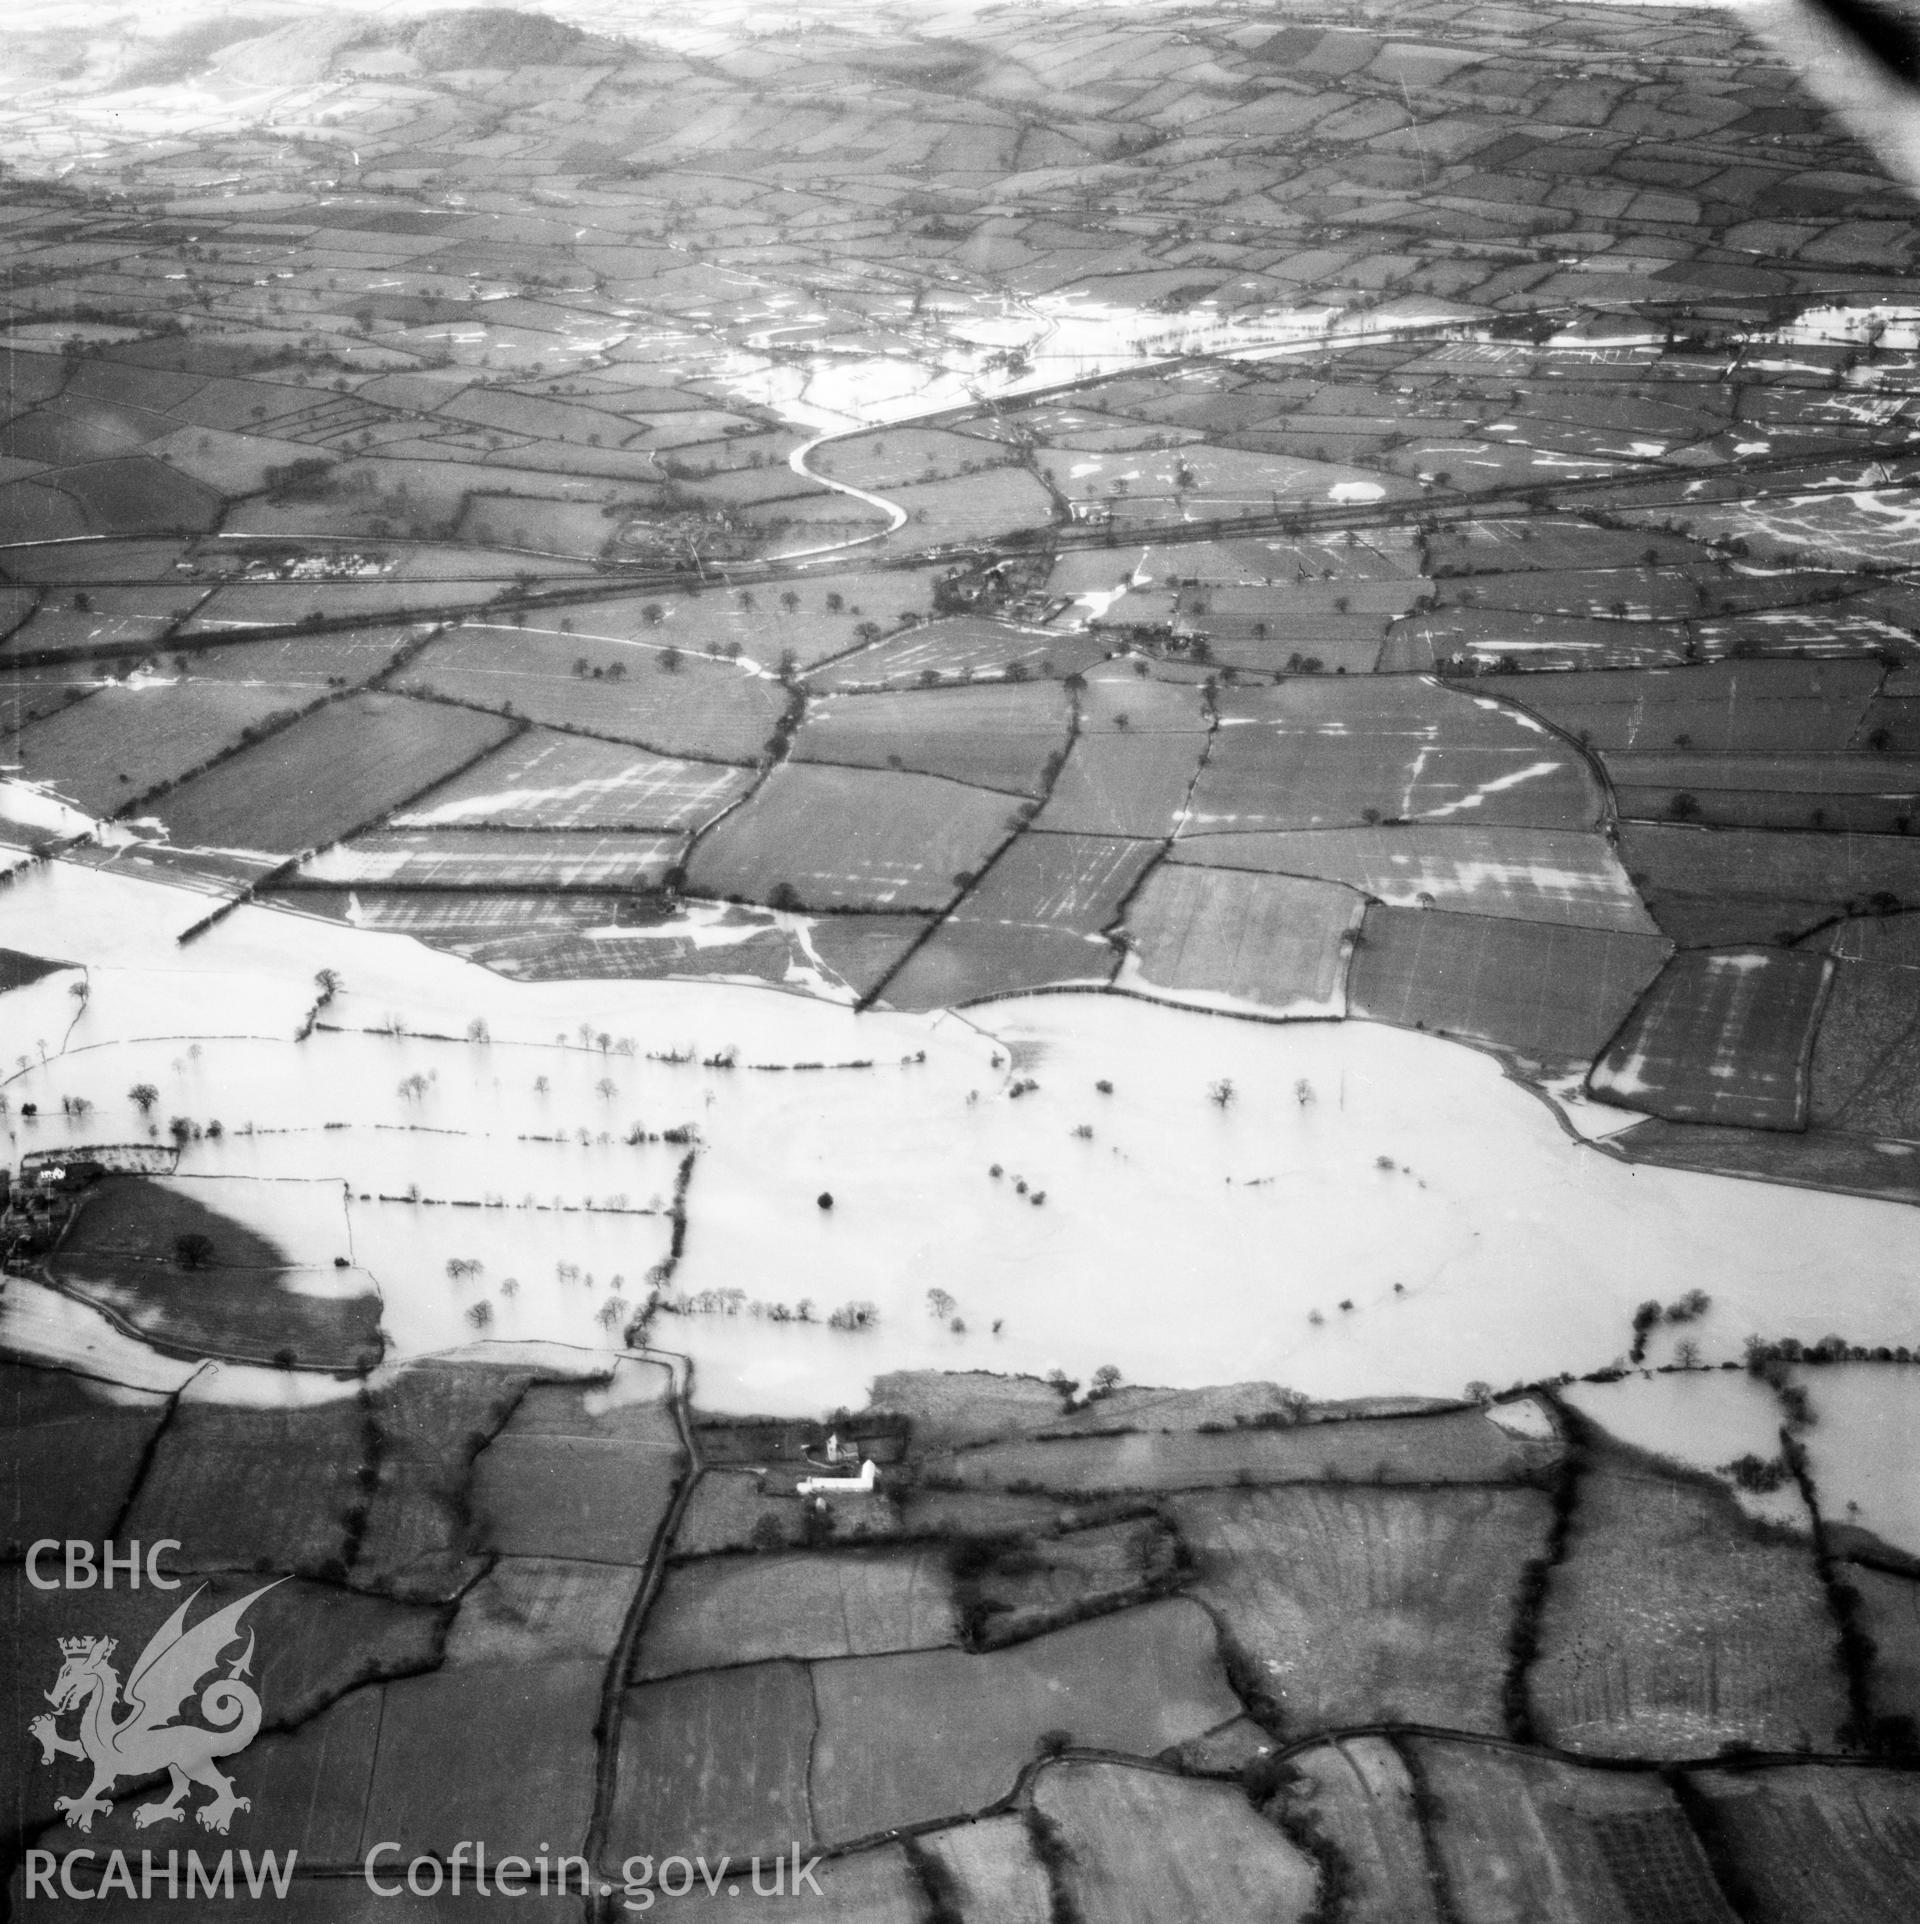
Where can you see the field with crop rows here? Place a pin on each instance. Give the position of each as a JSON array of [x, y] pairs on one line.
[[1034, 918], [1546, 992], [120, 742], [1002, 735], [544, 779], [1671, 1627], [1723, 1036], [1362, 1606], [852, 838], [1224, 936], [336, 770], [727, 1610], [935, 1733], [485, 859], [1313, 754], [1144, 1846]]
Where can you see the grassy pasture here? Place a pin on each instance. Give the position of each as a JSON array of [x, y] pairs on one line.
[[1363, 1606], [427, 1422], [1731, 707], [122, 742], [1820, 1159], [1454, 1447], [1722, 1036], [717, 1761], [486, 858], [1859, 794], [244, 1487], [1890, 1615], [1223, 936], [1815, 1841], [762, 624], [884, 458], [1530, 1837], [725, 1610], [1315, 753], [1000, 735], [685, 707], [1122, 785], [1708, 887], [300, 669], [504, 1752], [26, 694], [852, 838], [1118, 699], [544, 779], [336, 770], [560, 1482], [727, 1508], [31, 512], [136, 495], [1671, 1627], [974, 507], [245, 1301], [535, 1610], [1864, 1055], [961, 648], [1529, 642], [937, 1733], [70, 628], [1026, 924], [1545, 992], [1627, 593], [966, 1406], [553, 527], [1532, 875], [1144, 1847], [993, 1870], [1273, 644], [1021, 1589], [1509, 545], [1356, 1791], [73, 1451]]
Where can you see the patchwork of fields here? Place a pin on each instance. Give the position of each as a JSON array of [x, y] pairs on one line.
[[705, 716], [529, 1553]]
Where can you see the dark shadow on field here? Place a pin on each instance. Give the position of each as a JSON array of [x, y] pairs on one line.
[[189, 1278]]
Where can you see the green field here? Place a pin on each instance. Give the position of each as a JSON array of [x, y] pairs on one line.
[[726, 1610], [1361, 1606], [852, 838], [1003, 736], [545, 779], [670, 703], [940, 1733], [1225, 936], [1672, 1627], [1542, 991], [1723, 1036], [1451, 1447], [339, 769]]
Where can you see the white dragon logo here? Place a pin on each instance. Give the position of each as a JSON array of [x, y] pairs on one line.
[[148, 1739]]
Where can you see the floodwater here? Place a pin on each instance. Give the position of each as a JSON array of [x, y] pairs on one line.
[[1340, 1207]]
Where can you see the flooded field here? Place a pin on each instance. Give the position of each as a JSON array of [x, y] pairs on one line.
[[1341, 1208]]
